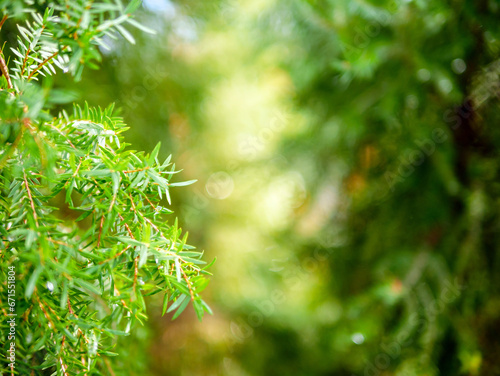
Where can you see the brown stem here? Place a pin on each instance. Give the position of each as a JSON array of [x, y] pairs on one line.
[[106, 361], [188, 284], [51, 324], [136, 170], [5, 71], [126, 226], [135, 273], [63, 366], [32, 203], [123, 301], [45, 62], [3, 21], [100, 232], [24, 61], [115, 256]]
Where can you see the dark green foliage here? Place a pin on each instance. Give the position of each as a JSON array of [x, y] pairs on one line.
[[404, 102], [390, 265]]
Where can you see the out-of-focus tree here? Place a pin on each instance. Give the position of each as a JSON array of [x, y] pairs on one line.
[[348, 167]]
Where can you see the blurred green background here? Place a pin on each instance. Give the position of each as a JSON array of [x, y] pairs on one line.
[[347, 162]]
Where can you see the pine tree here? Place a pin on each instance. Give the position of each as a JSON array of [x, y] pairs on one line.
[[83, 227]]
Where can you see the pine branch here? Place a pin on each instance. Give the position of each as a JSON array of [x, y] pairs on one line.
[[73, 269], [5, 70], [44, 62], [4, 18]]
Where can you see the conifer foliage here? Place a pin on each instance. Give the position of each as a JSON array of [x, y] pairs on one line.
[[85, 234]]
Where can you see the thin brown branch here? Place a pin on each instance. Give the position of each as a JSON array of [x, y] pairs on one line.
[[115, 256], [71, 309], [67, 138], [32, 203], [113, 200], [45, 62], [136, 270], [74, 314], [77, 168], [136, 170], [83, 364], [63, 366], [25, 60], [132, 202], [188, 283], [136, 259], [100, 232], [53, 312], [5, 71], [58, 242], [126, 226], [51, 324], [139, 213], [3, 21], [150, 203], [121, 300], [106, 361]]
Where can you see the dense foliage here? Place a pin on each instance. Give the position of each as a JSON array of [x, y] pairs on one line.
[[404, 102], [85, 233]]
